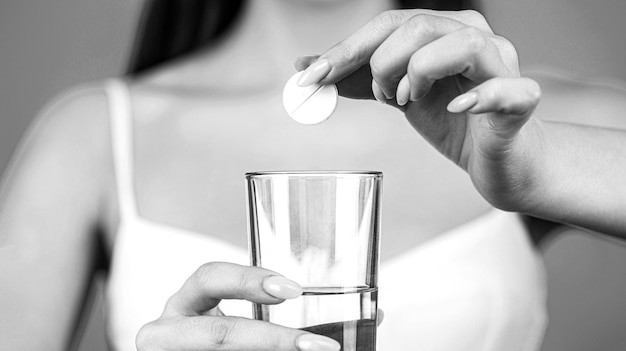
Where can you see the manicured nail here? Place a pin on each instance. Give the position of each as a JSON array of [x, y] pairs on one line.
[[380, 317], [388, 95], [281, 287], [417, 95], [313, 342], [403, 92], [314, 73], [402, 98], [378, 94], [463, 102]]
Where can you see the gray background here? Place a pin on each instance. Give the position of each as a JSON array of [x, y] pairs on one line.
[[49, 45]]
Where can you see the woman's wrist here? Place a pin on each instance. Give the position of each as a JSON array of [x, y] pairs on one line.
[[535, 168], [528, 170], [546, 178]]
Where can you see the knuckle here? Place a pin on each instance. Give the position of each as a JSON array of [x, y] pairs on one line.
[[220, 330], [475, 39], [417, 63], [534, 91], [474, 17], [377, 67], [493, 87], [388, 19], [347, 53], [146, 338], [506, 45], [244, 282], [170, 301], [507, 51], [422, 25], [205, 273]]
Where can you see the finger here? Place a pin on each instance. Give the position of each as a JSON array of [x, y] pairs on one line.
[[468, 51], [356, 50], [380, 316], [228, 333], [512, 100], [354, 88], [389, 61], [511, 96], [220, 280], [378, 94], [404, 91], [353, 52]]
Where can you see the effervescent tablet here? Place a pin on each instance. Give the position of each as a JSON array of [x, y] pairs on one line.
[[312, 104]]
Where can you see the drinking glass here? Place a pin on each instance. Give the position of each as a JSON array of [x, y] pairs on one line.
[[320, 229]]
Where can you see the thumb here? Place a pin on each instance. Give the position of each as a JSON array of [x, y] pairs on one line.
[[510, 102], [354, 86]]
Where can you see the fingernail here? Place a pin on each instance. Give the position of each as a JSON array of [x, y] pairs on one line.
[[389, 95], [281, 287], [314, 73], [313, 342], [378, 94], [463, 102], [402, 95], [417, 95], [402, 99]]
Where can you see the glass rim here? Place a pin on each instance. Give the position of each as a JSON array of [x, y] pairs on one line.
[[320, 173]]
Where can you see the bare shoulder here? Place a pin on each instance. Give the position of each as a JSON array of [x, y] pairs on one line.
[[64, 153], [599, 101], [72, 129], [77, 114]]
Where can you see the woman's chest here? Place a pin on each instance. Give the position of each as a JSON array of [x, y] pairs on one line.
[[189, 169]]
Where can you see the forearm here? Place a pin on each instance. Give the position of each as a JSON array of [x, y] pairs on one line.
[[581, 173]]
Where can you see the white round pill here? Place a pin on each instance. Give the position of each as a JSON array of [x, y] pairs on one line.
[[312, 104]]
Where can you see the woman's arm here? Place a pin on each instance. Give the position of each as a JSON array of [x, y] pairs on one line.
[[460, 87], [579, 178], [49, 208]]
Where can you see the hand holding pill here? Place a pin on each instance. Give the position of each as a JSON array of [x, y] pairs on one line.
[[457, 83]]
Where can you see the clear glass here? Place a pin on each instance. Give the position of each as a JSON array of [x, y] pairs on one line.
[[320, 229]]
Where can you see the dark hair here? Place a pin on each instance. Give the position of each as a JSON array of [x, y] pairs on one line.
[[170, 29]]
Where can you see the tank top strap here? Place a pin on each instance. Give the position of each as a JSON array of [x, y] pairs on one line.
[[120, 110]]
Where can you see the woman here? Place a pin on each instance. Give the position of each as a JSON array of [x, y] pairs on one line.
[[155, 191]]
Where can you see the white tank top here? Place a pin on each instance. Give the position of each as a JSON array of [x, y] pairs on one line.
[[480, 286]]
